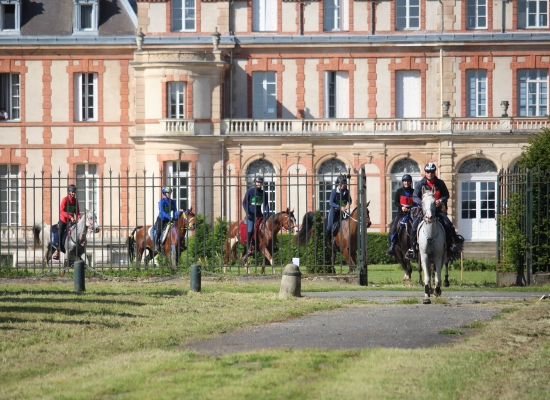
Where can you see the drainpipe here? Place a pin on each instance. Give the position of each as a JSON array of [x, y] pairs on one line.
[[442, 9], [231, 17], [503, 24], [441, 81]]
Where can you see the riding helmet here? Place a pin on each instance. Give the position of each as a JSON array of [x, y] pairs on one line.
[[406, 177], [166, 189], [259, 179], [72, 188], [430, 167], [341, 179]]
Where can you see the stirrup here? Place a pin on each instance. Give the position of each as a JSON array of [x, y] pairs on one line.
[[55, 255], [411, 254]]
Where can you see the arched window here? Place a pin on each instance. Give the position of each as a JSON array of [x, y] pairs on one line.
[[263, 168], [327, 174], [401, 167], [477, 166]]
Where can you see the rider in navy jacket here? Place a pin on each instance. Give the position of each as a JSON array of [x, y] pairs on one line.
[[167, 207], [338, 202], [253, 200], [403, 200], [431, 183]]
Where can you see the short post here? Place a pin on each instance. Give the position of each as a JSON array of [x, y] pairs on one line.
[[79, 276], [195, 277], [291, 282]]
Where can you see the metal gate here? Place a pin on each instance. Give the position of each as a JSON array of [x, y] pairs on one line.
[[523, 230]]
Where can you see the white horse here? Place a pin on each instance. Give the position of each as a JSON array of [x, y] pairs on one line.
[[431, 245], [75, 241]]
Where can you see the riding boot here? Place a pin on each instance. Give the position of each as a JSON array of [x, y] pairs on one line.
[[457, 238], [391, 250], [249, 242], [451, 248], [56, 255]]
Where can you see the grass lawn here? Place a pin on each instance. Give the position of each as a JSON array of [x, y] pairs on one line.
[[127, 341]]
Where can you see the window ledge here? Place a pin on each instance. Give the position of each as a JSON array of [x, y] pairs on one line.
[[10, 32], [85, 33]]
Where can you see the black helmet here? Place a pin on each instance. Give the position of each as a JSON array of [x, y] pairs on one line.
[[341, 179], [430, 167], [72, 188], [259, 179], [406, 177]]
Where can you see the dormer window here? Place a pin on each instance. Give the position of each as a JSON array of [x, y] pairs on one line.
[[9, 16], [86, 13]]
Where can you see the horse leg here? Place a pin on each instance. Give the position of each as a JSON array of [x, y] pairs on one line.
[[438, 265], [426, 271], [446, 281]]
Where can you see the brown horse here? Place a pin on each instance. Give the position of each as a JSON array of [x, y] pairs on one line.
[[345, 239], [140, 241], [265, 237], [402, 245]]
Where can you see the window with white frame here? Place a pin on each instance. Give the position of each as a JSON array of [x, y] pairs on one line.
[[264, 95], [86, 15], [85, 87], [87, 188], [476, 87], [336, 15], [329, 171], [407, 14], [533, 13], [10, 96], [176, 100], [9, 194], [336, 94], [177, 177], [532, 92], [264, 168], [184, 15], [264, 15], [10, 16], [476, 14]]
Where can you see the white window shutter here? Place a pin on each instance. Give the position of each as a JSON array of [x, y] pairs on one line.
[[326, 92], [342, 94], [271, 15], [96, 99], [78, 97], [256, 15], [344, 15]]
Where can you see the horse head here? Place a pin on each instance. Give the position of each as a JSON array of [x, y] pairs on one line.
[[428, 207], [367, 215], [91, 221], [289, 221], [187, 220]]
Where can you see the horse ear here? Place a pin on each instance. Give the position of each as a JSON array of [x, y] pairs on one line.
[[368, 202], [288, 210]]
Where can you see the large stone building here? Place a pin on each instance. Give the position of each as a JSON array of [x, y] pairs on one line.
[[307, 88]]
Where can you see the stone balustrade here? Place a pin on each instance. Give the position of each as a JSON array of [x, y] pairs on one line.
[[177, 126]]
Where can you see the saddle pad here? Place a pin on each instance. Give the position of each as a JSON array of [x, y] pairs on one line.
[[150, 233], [242, 231]]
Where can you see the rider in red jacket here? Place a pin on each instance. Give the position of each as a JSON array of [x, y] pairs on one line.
[[68, 212]]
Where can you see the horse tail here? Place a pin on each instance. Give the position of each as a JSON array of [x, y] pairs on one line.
[[305, 230], [36, 234], [131, 244]]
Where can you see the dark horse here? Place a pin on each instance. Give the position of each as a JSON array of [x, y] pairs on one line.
[[345, 239], [402, 245], [266, 236], [140, 241]]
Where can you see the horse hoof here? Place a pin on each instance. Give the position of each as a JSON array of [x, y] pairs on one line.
[[426, 301], [438, 291], [446, 283]]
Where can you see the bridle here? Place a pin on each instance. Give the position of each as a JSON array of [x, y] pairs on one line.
[[291, 219]]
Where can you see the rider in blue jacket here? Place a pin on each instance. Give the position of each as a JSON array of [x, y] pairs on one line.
[[339, 201], [168, 212], [253, 200]]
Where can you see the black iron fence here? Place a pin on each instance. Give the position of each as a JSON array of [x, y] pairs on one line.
[[125, 201], [523, 234]]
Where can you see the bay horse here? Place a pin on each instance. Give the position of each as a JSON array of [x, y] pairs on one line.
[[266, 236], [345, 239], [403, 243], [139, 241], [75, 240], [432, 248]]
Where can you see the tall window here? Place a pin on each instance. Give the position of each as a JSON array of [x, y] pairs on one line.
[[401, 167], [183, 15], [177, 177], [86, 13], [476, 14], [532, 92], [264, 95], [176, 100], [477, 92], [264, 15], [264, 168], [85, 97], [407, 14], [9, 16], [87, 184], [10, 95], [533, 13], [9, 194], [336, 96], [336, 15], [328, 172]]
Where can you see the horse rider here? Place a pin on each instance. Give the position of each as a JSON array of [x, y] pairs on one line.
[[339, 201], [68, 212], [167, 208], [429, 183], [253, 200], [403, 200]]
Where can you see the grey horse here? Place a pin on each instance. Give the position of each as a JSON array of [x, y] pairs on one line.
[[75, 242]]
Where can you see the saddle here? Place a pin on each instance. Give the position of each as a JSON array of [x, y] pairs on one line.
[[54, 233], [336, 224], [152, 232], [243, 230]]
